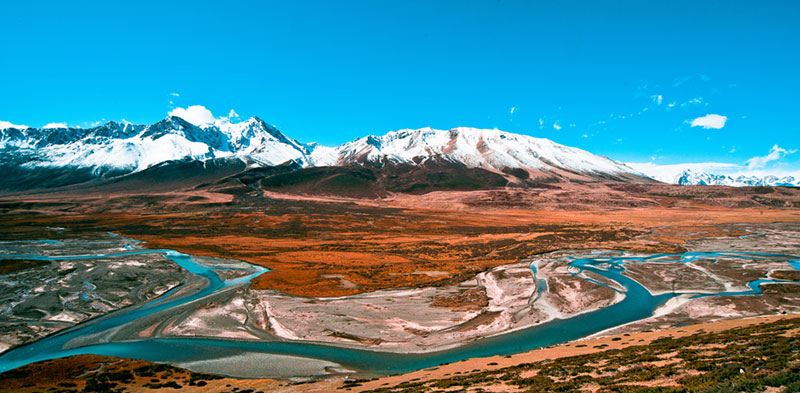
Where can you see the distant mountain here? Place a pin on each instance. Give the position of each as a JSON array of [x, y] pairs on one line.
[[50, 157], [689, 177]]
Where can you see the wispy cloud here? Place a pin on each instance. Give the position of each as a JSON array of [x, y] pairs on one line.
[[513, 109], [556, 125], [710, 121], [175, 94], [694, 101], [657, 98], [776, 153]]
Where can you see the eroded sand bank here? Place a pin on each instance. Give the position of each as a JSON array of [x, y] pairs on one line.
[[501, 300]]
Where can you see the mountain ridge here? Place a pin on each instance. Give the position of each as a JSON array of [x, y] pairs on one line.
[[692, 178], [116, 148]]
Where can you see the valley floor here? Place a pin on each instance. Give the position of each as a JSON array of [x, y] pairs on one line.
[[409, 273]]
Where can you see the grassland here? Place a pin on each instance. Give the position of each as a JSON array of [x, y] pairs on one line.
[[760, 356]]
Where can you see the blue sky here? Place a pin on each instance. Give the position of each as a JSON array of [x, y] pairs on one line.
[[622, 79]]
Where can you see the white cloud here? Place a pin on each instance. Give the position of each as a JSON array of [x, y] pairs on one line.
[[556, 126], [199, 115], [513, 109], [195, 114], [694, 101], [774, 154], [710, 121], [541, 122], [56, 125], [7, 124], [175, 94], [658, 98]]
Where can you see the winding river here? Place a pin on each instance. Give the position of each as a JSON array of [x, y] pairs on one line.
[[96, 336]]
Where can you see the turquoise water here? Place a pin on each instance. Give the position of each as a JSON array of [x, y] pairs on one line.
[[58, 345], [637, 304]]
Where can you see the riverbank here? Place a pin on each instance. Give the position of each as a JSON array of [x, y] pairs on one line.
[[576, 348], [502, 300], [63, 289], [509, 309], [140, 376]]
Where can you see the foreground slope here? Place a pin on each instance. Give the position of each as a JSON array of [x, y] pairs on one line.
[[737, 355], [749, 355]]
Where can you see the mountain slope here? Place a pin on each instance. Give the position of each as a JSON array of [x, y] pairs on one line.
[[413, 160], [365, 180], [114, 148], [489, 149]]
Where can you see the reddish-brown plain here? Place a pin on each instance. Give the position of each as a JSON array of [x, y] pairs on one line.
[[313, 244]]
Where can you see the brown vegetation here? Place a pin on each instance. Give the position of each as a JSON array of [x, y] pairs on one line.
[[333, 246]]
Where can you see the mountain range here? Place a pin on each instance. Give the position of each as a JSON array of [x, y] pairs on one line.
[[403, 160], [48, 157], [689, 177]]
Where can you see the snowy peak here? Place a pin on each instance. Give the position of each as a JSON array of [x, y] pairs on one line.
[[479, 148], [113, 146], [692, 178]]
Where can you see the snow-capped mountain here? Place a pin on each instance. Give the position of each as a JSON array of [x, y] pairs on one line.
[[689, 177], [114, 147], [477, 148]]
